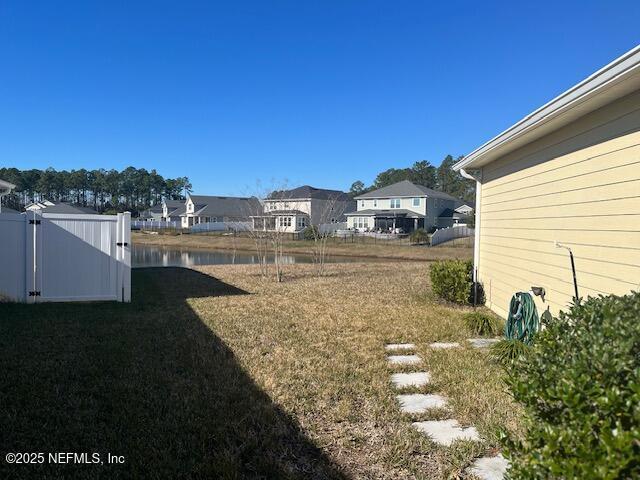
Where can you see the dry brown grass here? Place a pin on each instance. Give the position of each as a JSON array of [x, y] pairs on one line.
[[315, 345], [391, 250]]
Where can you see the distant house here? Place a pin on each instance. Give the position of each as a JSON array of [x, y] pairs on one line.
[[46, 206], [565, 176], [403, 205], [294, 210], [5, 189], [172, 209], [205, 209]]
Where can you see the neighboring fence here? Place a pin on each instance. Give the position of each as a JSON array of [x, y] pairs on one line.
[[154, 224], [324, 228], [221, 227], [62, 257], [445, 234]]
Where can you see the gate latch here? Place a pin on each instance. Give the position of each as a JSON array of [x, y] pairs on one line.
[[122, 244], [34, 293], [32, 222]]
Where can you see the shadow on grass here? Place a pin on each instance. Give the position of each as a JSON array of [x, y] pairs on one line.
[[148, 381]]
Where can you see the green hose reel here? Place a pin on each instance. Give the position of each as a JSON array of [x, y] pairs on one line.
[[523, 321]]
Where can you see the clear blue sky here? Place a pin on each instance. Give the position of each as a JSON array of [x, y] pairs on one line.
[[319, 92]]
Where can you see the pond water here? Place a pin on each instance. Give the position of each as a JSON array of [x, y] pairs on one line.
[[155, 256]]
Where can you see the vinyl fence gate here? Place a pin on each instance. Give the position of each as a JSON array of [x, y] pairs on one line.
[[65, 258]]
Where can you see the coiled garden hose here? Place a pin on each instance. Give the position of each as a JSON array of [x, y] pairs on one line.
[[523, 321]]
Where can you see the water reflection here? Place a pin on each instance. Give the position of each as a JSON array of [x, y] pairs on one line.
[[154, 256]]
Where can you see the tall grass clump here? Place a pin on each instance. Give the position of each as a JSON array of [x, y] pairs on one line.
[[480, 323], [579, 385]]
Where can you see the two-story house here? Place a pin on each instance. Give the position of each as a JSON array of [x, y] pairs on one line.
[[294, 210], [206, 208], [172, 209], [403, 205]]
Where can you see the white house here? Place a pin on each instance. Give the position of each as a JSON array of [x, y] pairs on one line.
[[294, 210], [403, 205], [5, 189], [172, 209], [206, 208]]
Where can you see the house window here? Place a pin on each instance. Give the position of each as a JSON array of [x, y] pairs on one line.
[[302, 222], [362, 203], [285, 221], [286, 205], [375, 203], [416, 202], [395, 203]]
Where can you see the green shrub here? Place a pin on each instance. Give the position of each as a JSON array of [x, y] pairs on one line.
[[452, 280], [506, 351], [580, 387], [419, 236], [479, 323], [310, 233]]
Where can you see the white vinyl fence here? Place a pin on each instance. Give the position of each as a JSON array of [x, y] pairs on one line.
[[154, 224], [62, 257], [221, 227], [445, 234]]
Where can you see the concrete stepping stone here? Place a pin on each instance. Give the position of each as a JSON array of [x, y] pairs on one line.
[[445, 432], [444, 345], [482, 342], [416, 379], [489, 468], [399, 346], [420, 403], [404, 359]]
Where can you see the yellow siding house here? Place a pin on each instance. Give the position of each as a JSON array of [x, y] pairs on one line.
[[567, 173]]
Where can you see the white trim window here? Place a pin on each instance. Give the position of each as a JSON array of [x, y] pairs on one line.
[[375, 202], [394, 203], [302, 222], [416, 202], [362, 203]]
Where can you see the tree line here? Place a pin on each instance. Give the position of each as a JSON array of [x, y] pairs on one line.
[[132, 189], [441, 178]]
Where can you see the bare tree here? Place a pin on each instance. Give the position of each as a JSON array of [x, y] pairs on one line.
[[329, 214]]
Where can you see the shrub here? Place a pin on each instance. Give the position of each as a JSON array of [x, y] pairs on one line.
[[310, 233], [580, 387], [507, 351], [452, 280], [419, 236], [479, 323]]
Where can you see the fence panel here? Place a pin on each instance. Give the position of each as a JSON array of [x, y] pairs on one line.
[[445, 234], [13, 267], [66, 257], [221, 227]]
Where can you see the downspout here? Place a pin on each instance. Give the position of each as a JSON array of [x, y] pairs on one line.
[[476, 237]]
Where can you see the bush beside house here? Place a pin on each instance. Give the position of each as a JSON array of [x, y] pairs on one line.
[[452, 280], [580, 387]]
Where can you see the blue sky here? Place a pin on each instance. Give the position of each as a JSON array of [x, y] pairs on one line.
[[319, 92]]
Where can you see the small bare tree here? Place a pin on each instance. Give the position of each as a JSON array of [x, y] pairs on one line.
[[329, 215]]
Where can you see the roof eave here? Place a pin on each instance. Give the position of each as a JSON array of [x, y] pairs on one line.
[[588, 94]]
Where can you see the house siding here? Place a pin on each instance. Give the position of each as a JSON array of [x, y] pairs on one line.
[[579, 186]]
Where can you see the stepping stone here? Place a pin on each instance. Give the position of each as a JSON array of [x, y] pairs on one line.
[[444, 345], [482, 342], [404, 359], [445, 432], [417, 379], [399, 346], [489, 468], [420, 403]]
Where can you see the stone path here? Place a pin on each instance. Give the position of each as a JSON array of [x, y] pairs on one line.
[[445, 432], [482, 342], [444, 345], [442, 432], [404, 359], [420, 403], [489, 468], [399, 346], [415, 379]]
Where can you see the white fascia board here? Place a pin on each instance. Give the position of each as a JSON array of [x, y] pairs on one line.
[[585, 94]]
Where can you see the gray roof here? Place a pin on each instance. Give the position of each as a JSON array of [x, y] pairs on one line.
[[214, 206], [173, 203], [405, 188], [307, 191], [393, 212], [176, 212], [68, 208]]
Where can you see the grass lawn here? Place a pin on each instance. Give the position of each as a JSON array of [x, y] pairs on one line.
[[232, 376], [361, 247]]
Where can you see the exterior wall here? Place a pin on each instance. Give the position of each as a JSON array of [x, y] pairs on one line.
[[385, 204], [285, 204], [579, 186], [353, 222]]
